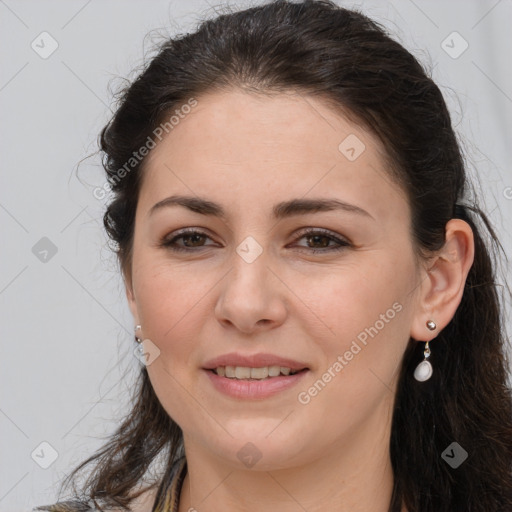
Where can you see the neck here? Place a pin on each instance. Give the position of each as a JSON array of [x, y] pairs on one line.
[[356, 476]]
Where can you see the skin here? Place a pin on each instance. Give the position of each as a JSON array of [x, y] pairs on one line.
[[249, 152]]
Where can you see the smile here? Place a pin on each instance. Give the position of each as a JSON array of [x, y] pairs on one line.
[[244, 372]]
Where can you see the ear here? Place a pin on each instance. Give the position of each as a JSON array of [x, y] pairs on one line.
[[130, 295], [443, 281]]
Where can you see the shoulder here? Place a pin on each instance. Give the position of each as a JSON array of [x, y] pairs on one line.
[[143, 503], [66, 506]]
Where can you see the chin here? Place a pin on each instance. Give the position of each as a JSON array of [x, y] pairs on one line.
[[261, 451]]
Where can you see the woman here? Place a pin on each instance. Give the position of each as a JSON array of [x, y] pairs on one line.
[[314, 301]]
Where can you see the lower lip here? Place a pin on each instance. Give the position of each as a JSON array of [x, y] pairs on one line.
[[254, 389]]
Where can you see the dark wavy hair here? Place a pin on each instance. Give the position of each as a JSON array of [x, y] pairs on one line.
[[346, 59]]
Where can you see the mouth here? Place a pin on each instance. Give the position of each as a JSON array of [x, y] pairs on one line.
[[254, 376], [255, 373]]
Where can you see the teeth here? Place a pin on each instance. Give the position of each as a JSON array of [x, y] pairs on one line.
[[261, 373], [274, 371], [244, 372]]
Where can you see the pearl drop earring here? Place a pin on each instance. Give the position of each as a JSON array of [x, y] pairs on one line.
[[424, 370]]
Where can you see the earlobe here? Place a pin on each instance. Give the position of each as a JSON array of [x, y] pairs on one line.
[[443, 285]]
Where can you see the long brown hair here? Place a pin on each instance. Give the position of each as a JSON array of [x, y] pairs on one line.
[[342, 56]]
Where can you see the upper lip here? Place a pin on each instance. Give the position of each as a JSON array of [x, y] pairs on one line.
[[253, 361]]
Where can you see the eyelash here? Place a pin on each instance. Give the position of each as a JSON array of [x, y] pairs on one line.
[[171, 243]]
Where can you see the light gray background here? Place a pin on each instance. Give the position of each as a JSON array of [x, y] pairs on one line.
[[67, 365]]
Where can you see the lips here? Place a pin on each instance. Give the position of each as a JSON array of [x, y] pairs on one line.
[[254, 361], [253, 389]]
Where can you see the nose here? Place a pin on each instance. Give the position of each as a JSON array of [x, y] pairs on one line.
[[252, 297]]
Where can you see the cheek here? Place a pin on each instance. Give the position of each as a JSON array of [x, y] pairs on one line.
[[355, 298], [169, 302], [171, 312], [370, 320], [367, 310]]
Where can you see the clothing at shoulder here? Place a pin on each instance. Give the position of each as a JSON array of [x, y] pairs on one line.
[[67, 506], [80, 506], [143, 503]]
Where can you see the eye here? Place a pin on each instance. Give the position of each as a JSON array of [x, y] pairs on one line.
[[321, 238], [191, 238]]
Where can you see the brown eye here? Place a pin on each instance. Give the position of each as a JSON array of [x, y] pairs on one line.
[[318, 241], [321, 240], [190, 239], [193, 240]]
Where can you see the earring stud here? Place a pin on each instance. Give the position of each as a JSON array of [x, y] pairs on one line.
[[137, 328], [431, 325]]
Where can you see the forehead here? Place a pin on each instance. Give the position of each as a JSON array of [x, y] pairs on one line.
[[235, 144], [278, 125]]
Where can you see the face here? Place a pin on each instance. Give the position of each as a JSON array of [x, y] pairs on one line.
[[263, 274]]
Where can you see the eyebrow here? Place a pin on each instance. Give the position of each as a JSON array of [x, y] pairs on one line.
[[280, 210]]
